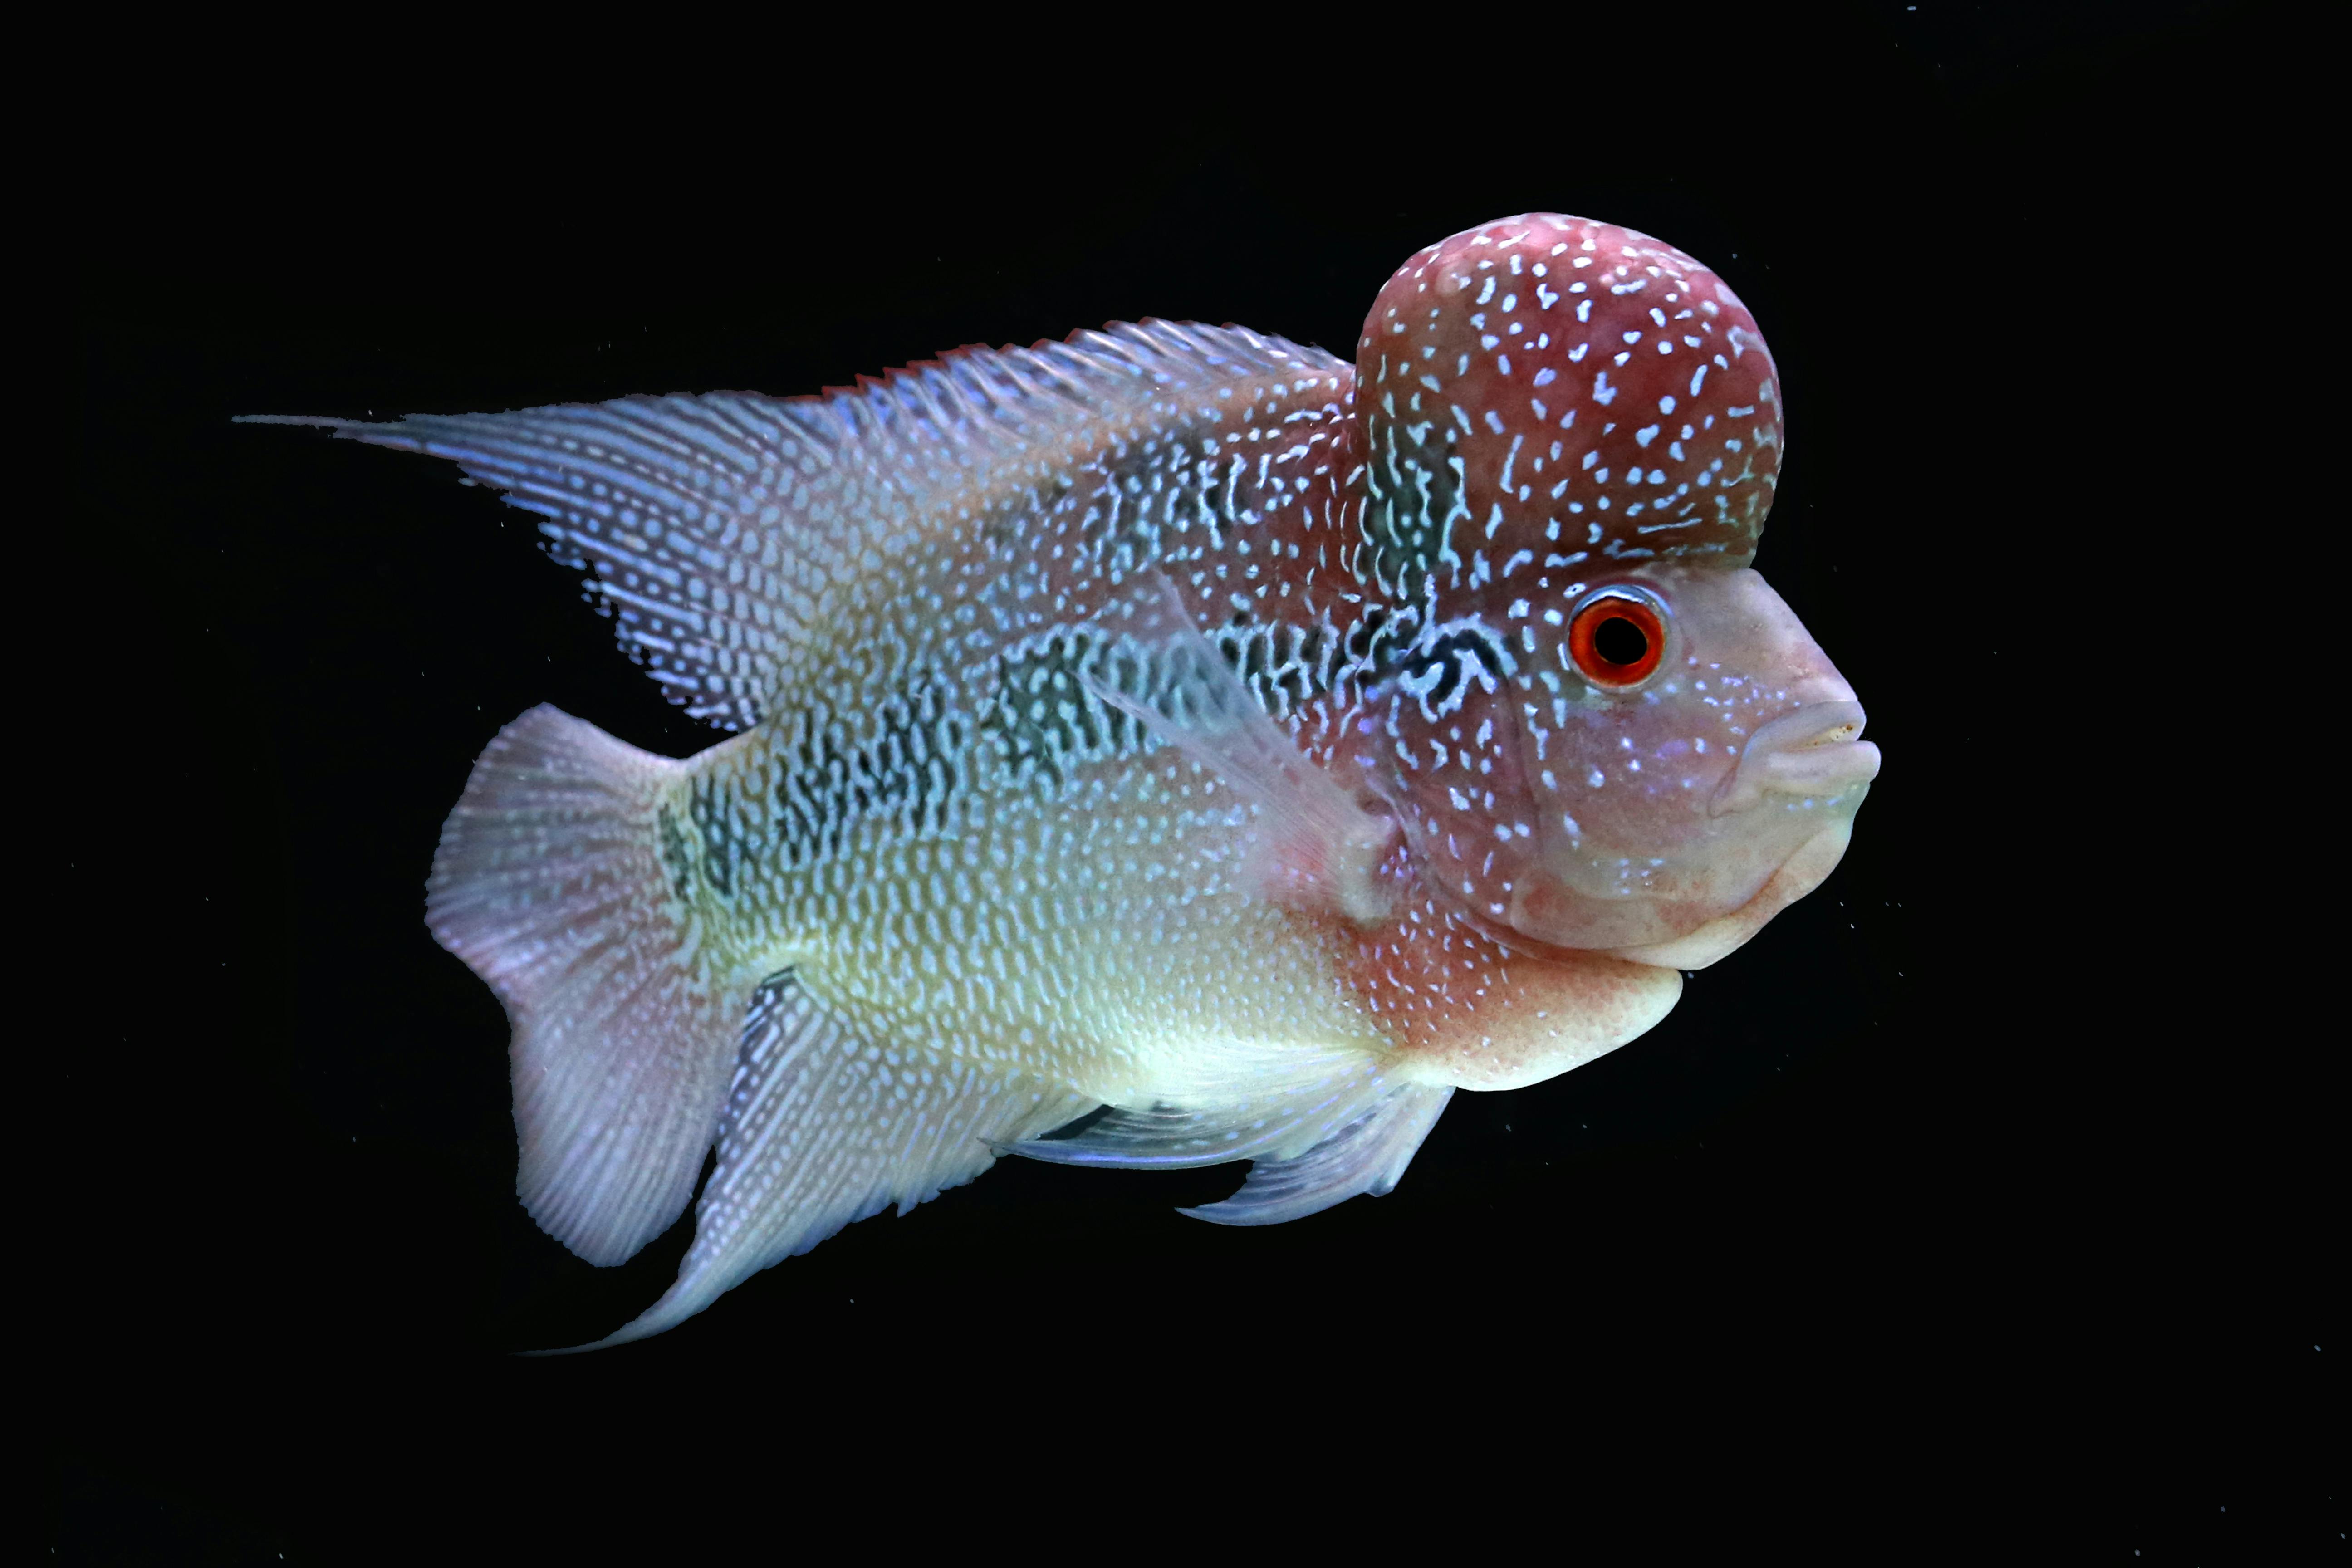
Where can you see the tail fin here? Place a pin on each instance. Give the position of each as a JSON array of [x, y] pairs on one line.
[[549, 884]]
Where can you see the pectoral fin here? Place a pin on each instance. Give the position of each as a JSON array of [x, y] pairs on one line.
[[1320, 847]]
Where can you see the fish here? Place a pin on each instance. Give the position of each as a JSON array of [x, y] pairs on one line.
[[1167, 747]]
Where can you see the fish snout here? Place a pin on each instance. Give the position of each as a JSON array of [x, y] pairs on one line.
[[1813, 751]]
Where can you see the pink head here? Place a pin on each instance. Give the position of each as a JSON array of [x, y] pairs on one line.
[[1608, 732]]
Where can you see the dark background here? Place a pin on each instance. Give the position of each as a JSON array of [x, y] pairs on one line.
[[1955, 1199]]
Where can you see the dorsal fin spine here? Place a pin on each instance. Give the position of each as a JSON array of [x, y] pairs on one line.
[[719, 525]]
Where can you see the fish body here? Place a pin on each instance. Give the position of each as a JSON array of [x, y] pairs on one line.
[[1175, 720]]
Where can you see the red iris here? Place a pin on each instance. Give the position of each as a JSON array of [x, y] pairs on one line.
[[1617, 640]]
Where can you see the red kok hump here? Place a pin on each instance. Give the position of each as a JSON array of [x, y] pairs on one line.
[[1570, 389]]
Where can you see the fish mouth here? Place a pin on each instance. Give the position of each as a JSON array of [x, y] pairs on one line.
[[1815, 751]]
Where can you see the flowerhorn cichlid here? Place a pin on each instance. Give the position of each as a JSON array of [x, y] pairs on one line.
[[1175, 720]]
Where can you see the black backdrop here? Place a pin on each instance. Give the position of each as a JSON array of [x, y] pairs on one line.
[[1900, 1209]]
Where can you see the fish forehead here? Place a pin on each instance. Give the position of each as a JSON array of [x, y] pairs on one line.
[[1572, 388]]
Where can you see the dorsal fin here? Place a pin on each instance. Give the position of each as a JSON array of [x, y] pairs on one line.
[[720, 527]]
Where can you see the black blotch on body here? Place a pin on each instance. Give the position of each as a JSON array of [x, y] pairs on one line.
[[1044, 718], [826, 772], [722, 839], [1451, 660], [1413, 493], [676, 858]]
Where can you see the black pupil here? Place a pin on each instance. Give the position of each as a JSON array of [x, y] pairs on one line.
[[1620, 641]]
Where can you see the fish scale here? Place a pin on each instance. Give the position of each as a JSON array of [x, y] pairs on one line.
[[1175, 722]]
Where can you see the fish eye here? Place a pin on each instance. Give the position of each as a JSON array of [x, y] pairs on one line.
[[1617, 637]]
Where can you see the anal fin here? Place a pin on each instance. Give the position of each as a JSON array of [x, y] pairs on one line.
[[825, 1125]]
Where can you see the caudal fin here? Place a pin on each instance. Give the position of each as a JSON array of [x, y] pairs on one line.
[[549, 884]]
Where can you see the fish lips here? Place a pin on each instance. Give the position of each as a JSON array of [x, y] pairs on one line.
[[1812, 752], [1812, 756], [1806, 772]]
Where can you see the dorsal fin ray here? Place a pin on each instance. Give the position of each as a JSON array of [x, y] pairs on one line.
[[719, 527]]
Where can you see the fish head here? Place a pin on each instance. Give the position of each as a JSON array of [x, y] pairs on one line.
[[1605, 731]]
